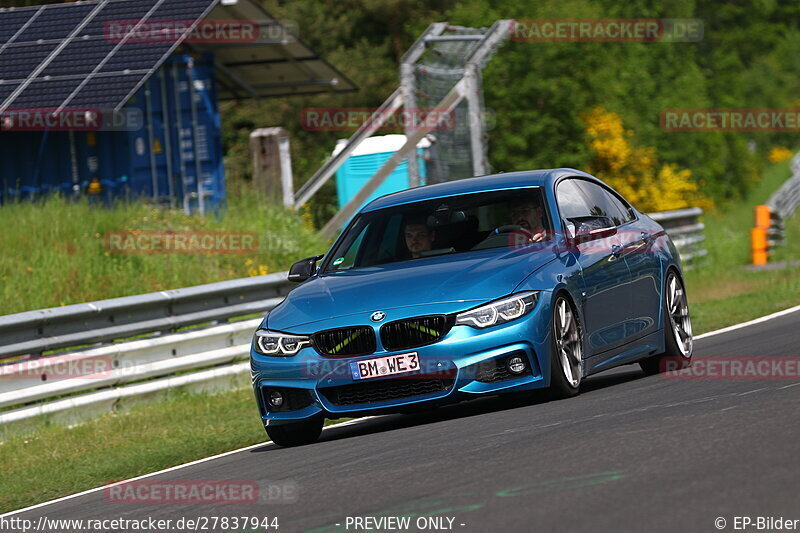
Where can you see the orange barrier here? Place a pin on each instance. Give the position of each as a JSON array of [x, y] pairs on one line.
[[763, 214], [758, 235], [758, 239]]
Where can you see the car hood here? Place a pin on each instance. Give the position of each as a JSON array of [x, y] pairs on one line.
[[444, 284]]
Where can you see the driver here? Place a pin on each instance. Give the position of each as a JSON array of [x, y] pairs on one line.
[[527, 214], [419, 237]]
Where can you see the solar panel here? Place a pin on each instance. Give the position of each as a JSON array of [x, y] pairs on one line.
[[42, 90], [136, 56], [83, 62], [79, 57], [18, 61], [11, 21], [55, 23], [119, 11], [175, 9], [65, 53], [6, 89], [105, 92]]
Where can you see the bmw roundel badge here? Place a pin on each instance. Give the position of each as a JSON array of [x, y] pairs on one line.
[[377, 316]]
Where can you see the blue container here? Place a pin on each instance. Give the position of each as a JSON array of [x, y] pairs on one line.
[[356, 171], [173, 157]]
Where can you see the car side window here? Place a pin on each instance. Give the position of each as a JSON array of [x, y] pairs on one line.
[[571, 202], [602, 203], [624, 206]]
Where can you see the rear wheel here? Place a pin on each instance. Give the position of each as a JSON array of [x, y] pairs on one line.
[[566, 362], [678, 339], [296, 433]]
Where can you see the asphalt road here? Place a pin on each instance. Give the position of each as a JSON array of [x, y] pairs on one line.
[[631, 453]]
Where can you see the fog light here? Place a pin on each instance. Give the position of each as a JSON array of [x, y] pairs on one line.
[[275, 398], [516, 365]]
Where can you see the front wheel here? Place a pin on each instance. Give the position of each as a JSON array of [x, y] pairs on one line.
[[678, 339], [296, 433], [566, 361]]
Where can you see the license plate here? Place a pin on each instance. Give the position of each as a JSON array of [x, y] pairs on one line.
[[385, 366]]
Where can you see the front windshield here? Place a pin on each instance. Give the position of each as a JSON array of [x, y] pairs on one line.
[[452, 225]]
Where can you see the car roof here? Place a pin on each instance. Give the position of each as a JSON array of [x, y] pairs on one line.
[[492, 182]]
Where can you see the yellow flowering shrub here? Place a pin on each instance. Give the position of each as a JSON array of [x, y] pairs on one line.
[[779, 153], [262, 270], [634, 171], [305, 215]]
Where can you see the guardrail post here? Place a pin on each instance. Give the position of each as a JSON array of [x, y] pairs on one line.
[[758, 235]]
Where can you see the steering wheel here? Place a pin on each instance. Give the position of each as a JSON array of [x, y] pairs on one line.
[[513, 228], [509, 228]]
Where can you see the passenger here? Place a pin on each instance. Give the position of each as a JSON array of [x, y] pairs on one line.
[[419, 237]]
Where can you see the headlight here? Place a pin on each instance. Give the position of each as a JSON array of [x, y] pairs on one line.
[[279, 344], [499, 311]]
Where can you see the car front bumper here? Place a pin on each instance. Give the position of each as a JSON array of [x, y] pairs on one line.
[[466, 363]]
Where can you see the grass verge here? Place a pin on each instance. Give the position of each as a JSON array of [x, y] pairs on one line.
[[51, 461], [55, 251], [723, 292]]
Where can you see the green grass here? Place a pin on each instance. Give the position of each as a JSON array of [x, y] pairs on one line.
[[50, 460], [53, 460], [722, 292], [54, 251]]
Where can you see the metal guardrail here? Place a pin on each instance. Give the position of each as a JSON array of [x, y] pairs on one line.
[[786, 200], [35, 332], [776, 230], [118, 364], [199, 358], [782, 205]]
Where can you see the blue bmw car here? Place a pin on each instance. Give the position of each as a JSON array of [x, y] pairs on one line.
[[482, 286]]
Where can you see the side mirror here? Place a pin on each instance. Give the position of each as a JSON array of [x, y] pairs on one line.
[[304, 269]]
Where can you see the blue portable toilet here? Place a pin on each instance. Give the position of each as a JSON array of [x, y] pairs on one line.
[[367, 159]]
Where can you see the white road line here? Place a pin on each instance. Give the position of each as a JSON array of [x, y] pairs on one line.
[[752, 391], [206, 459], [170, 469], [749, 323]]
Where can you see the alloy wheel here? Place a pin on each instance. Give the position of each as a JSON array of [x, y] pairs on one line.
[[678, 309], [568, 342]]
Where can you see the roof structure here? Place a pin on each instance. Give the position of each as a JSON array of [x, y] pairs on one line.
[[278, 63], [93, 54]]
